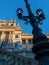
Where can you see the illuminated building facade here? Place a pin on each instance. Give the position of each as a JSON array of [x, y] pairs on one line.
[[12, 32]]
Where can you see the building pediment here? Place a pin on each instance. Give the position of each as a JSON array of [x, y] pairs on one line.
[[9, 24]]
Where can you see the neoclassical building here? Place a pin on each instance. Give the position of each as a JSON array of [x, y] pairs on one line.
[[12, 32]]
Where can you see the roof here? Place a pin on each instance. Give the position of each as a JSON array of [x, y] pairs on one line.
[[9, 24]]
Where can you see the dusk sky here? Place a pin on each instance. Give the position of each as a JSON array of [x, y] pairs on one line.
[[8, 10]]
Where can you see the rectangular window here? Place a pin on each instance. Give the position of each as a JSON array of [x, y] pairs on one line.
[[23, 41], [29, 41], [3, 44], [16, 46]]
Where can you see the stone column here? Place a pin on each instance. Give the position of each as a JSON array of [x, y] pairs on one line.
[[10, 36], [20, 40], [0, 40], [27, 44], [2, 36]]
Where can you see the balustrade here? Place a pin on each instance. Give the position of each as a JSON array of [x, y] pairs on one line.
[[12, 58]]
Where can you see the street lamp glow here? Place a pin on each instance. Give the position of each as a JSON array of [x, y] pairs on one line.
[[19, 13], [39, 12], [19, 10]]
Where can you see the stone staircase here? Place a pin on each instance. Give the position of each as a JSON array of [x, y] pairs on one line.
[[9, 56]]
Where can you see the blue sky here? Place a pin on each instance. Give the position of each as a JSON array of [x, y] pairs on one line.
[[8, 10]]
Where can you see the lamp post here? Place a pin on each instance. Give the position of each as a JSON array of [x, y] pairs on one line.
[[40, 16], [40, 41]]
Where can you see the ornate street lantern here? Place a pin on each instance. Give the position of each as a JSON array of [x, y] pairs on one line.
[[19, 13]]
